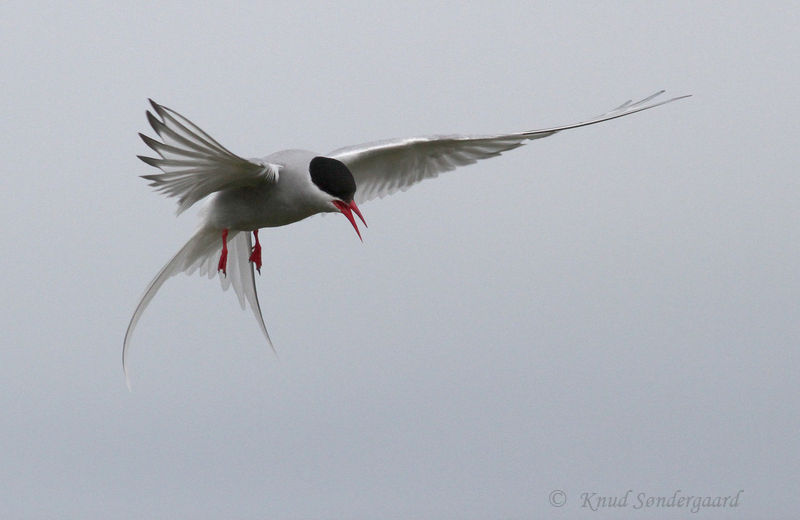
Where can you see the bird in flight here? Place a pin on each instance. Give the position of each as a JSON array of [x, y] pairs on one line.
[[242, 195]]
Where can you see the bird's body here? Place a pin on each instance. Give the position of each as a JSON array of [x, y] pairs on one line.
[[243, 196], [292, 198]]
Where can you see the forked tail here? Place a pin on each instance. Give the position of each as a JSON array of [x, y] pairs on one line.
[[200, 254]]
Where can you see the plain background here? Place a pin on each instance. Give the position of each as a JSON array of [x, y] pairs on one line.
[[611, 308]]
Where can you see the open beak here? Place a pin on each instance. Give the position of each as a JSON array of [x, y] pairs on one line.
[[347, 210]]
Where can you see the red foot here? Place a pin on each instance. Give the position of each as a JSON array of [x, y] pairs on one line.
[[223, 258], [255, 256]]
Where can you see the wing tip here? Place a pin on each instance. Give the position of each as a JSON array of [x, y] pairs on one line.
[[152, 161], [150, 142], [154, 122]]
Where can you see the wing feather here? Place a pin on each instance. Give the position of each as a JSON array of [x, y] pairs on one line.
[[194, 164], [384, 167]]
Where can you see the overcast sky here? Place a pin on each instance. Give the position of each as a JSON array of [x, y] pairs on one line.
[[611, 308]]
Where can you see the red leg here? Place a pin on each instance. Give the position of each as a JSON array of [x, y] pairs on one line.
[[255, 256], [223, 258]]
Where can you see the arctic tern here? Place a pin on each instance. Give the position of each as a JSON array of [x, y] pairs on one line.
[[244, 195]]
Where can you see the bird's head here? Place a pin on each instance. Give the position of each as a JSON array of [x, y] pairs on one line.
[[334, 178]]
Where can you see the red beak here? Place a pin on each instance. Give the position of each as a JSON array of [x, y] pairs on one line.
[[347, 210]]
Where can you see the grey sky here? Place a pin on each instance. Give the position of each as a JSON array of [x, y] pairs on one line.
[[611, 308]]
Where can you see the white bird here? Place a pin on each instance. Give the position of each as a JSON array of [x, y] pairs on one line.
[[244, 195]]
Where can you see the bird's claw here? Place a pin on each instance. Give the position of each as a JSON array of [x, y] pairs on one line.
[[255, 255]]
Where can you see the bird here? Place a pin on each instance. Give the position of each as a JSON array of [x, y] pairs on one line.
[[241, 196]]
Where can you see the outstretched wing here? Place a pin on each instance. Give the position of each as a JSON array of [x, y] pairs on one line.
[[195, 165], [385, 167]]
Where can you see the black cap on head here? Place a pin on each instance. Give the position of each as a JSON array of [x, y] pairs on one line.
[[332, 177]]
